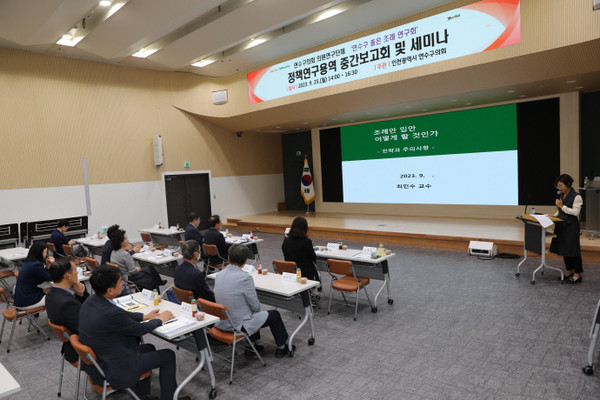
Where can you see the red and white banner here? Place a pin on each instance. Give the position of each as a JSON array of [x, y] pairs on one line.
[[474, 28]]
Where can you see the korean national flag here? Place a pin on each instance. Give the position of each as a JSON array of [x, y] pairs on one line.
[[306, 184]]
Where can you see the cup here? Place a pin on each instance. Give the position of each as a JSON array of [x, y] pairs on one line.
[[265, 271], [344, 247], [388, 252], [303, 280], [200, 316]]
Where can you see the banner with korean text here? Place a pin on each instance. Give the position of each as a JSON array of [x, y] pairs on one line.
[[474, 28]]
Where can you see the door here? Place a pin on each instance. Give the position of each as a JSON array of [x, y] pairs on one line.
[[188, 193]]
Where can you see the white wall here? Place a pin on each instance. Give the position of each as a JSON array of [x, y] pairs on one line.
[[139, 204]]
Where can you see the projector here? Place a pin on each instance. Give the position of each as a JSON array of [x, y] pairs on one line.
[[482, 249]]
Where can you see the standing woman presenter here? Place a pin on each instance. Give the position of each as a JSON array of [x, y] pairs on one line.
[[566, 243]]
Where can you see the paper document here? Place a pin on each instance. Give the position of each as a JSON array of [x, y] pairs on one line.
[[174, 324], [543, 220], [128, 303], [363, 255]]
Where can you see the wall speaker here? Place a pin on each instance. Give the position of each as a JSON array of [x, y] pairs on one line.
[[596, 4], [219, 97], [158, 150]]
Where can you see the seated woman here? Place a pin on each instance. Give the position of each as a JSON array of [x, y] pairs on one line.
[[144, 277], [107, 249], [298, 247], [33, 272]]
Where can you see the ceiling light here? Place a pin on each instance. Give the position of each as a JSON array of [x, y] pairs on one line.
[[143, 53], [578, 87], [104, 3], [571, 81], [116, 7], [510, 91], [523, 95], [255, 42], [328, 14], [203, 63]]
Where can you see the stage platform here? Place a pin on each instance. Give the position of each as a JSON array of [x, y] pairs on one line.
[[441, 233]]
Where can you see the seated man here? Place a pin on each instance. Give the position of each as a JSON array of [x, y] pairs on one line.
[[57, 237], [64, 300], [191, 230], [214, 236], [235, 289], [187, 276], [113, 334]]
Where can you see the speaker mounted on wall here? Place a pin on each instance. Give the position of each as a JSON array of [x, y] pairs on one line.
[[158, 150], [596, 4], [219, 97]]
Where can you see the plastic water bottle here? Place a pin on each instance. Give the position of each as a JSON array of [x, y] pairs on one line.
[[194, 308], [532, 211], [380, 250], [298, 275], [155, 296]]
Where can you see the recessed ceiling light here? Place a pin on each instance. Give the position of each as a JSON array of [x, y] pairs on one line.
[[510, 91], [305, 123], [328, 14], [203, 63], [104, 3], [143, 53], [278, 127], [523, 95], [571, 81], [578, 87]]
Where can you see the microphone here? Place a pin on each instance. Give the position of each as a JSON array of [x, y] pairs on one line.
[[558, 194], [527, 202]]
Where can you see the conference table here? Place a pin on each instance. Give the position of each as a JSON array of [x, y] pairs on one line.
[[364, 266], [14, 255], [167, 236], [8, 384], [159, 258], [94, 244], [250, 243], [188, 343], [272, 290]]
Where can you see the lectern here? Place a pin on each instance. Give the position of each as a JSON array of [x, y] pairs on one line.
[[535, 241]]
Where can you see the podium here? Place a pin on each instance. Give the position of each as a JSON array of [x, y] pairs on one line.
[[535, 242]]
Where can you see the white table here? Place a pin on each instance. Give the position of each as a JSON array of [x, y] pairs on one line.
[[168, 236], [373, 268], [14, 255], [250, 243], [158, 258], [292, 296], [187, 344], [94, 244], [8, 384]]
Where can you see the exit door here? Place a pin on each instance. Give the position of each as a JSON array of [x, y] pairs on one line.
[[188, 193]]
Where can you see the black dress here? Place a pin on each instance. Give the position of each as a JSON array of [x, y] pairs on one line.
[[302, 253], [566, 243]]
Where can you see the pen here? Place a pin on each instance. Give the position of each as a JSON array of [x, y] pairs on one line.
[[168, 322]]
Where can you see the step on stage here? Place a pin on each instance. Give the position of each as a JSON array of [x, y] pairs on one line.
[[440, 233]]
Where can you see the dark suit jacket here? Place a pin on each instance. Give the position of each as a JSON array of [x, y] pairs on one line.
[[213, 236], [58, 238], [113, 334], [27, 292], [63, 309], [187, 277], [192, 233], [301, 251]]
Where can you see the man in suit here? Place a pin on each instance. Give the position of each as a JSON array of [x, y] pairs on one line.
[[214, 236], [58, 238], [235, 289], [191, 230], [188, 277], [64, 300], [113, 334]]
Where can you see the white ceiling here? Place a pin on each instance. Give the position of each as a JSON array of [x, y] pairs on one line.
[[36, 25]]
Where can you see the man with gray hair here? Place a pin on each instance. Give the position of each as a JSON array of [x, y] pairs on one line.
[[235, 289], [188, 277]]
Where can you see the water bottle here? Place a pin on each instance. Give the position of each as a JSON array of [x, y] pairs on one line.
[[298, 275], [532, 211]]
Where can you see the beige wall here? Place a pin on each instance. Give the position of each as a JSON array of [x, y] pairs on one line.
[[56, 110]]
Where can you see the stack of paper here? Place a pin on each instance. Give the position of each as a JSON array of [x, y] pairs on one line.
[[174, 325]]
